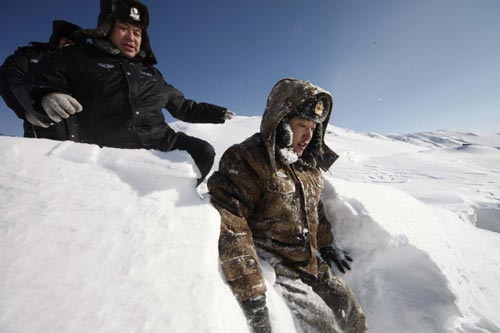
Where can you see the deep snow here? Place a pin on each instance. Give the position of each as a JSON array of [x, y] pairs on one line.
[[109, 240]]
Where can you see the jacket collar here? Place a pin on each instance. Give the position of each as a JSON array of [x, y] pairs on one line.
[[106, 46]]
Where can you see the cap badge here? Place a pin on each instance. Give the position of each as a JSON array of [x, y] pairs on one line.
[[320, 107], [134, 14]]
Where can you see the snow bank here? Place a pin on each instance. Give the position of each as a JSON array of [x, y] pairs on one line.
[[417, 268], [109, 240], [443, 139]]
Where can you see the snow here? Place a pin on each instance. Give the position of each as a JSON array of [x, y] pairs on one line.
[[110, 240]]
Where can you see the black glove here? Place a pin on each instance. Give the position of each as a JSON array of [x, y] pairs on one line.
[[338, 256], [201, 151], [255, 310]]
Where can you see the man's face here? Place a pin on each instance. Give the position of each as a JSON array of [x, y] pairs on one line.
[[303, 131], [127, 37]]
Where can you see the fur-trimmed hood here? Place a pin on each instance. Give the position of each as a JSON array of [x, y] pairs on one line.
[[286, 97]]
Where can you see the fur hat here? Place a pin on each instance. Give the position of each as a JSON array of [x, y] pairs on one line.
[[314, 109], [285, 152], [61, 28], [129, 11]]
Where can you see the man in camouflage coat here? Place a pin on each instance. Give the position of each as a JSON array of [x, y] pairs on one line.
[[267, 190]]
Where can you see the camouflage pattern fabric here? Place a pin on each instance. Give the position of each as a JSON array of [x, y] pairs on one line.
[[268, 206], [320, 305]]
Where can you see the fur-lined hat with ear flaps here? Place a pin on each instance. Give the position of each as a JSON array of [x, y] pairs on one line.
[[289, 98], [314, 109], [128, 11]]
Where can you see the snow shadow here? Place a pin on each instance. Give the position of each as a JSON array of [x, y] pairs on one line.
[[144, 171], [400, 287], [482, 326], [488, 217]]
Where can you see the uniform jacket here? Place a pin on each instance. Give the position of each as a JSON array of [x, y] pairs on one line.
[[122, 98], [11, 75], [267, 206]]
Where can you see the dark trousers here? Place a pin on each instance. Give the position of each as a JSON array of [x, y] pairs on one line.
[[201, 151], [55, 132]]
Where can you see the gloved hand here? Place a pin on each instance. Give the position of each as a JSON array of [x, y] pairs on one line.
[[255, 310], [229, 115], [338, 256], [59, 105]]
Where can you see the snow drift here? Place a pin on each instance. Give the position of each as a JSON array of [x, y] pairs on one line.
[[99, 240]]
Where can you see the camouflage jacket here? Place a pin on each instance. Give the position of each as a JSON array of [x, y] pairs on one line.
[[267, 205]]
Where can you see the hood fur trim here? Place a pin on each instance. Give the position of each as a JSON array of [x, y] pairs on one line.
[[286, 97]]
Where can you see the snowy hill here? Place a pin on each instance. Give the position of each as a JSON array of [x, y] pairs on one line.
[[449, 139], [108, 240]]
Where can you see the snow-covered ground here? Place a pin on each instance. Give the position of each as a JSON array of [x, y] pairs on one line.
[[108, 240]]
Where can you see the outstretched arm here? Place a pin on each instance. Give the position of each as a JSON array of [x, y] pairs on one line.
[[190, 111]]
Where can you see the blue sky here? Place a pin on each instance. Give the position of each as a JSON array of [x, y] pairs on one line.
[[392, 66]]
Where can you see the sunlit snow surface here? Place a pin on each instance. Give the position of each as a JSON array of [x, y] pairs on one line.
[[109, 240]]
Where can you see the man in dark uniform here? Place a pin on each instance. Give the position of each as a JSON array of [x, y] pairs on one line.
[[16, 66], [114, 92]]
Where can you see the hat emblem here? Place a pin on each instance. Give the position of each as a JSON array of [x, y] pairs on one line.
[[134, 14], [319, 108]]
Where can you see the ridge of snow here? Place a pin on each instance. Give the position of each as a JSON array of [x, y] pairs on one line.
[[107, 239]]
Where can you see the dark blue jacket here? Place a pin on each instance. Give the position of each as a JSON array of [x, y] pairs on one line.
[[11, 74], [122, 98]]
